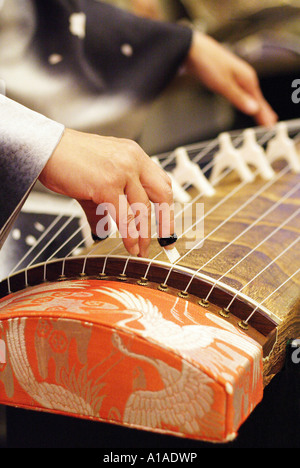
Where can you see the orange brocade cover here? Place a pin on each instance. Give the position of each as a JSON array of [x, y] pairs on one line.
[[130, 355]]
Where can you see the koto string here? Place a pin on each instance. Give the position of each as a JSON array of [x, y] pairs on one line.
[[205, 169], [229, 195], [270, 295], [250, 200], [73, 250], [199, 156], [46, 245], [92, 250], [264, 269], [175, 217], [61, 247], [164, 164], [38, 241], [208, 147], [254, 248], [266, 213]]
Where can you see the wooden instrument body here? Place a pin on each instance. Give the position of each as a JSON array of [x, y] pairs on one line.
[[281, 311], [241, 263]]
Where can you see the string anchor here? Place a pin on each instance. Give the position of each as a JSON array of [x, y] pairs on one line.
[[101, 276], [203, 303], [229, 157], [242, 324], [180, 195], [62, 278], [183, 294], [253, 154], [187, 172], [282, 146], [122, 277], [224, 312], [142, 281]]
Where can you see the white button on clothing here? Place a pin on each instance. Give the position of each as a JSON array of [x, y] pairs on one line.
[[127, 50], [16, 234], [78, 24], [30, 240], [53, 59]]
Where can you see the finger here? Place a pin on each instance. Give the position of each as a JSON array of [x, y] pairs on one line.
[[249, 82], [104, 225], [99, 221], [158, 187], [240, 98], [141, 207], [254, 106], [266, 116], [121, 212]]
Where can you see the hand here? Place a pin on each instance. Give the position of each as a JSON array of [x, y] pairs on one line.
[[98, 170], [225, 73]]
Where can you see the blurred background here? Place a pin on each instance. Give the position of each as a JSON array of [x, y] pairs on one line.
[[265, 33]]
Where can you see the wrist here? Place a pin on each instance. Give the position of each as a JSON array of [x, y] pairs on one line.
[[197, 51]]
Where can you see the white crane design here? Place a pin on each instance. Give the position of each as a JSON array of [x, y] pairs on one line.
[[189, 340], [184, 402]]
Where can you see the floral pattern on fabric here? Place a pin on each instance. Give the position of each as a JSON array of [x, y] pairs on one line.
[[130, 355]]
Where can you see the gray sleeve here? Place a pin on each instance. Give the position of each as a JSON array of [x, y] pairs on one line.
[[27, 140]]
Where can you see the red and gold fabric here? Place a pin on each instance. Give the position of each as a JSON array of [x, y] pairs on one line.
[[128, 355]]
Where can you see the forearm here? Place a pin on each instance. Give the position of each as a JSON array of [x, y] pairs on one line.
[[27, 140]]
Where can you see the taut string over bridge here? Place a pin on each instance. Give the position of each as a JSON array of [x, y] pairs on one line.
[[249, 249], [96, 333]]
